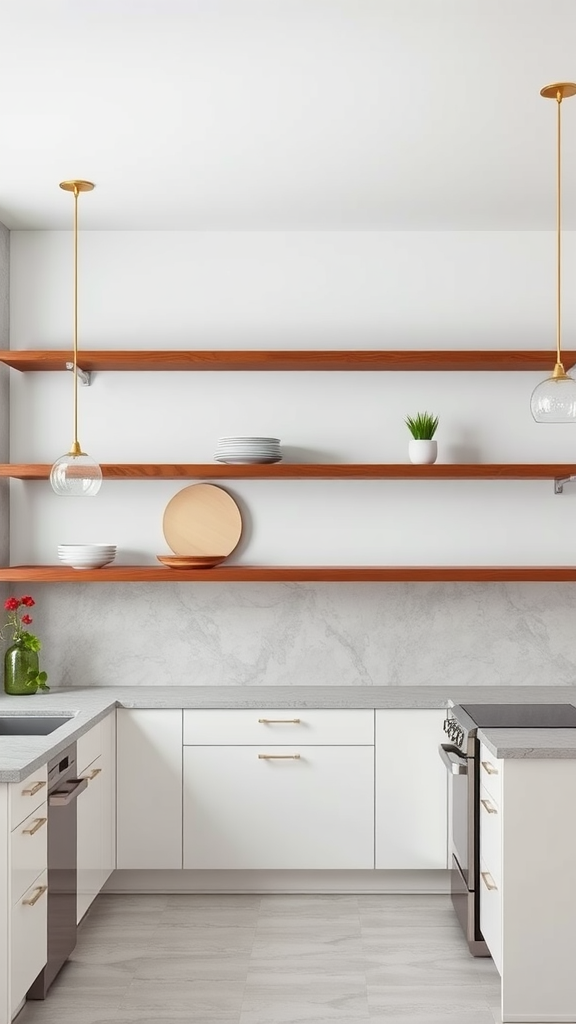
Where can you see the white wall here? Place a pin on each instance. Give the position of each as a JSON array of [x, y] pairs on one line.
[[296, 290]]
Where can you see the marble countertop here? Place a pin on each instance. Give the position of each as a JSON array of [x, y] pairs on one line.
[[20, 755]]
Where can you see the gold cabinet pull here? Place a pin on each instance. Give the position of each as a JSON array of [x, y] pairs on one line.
[[488, 880], [489, 806], [34, 899], [33, 789], [279, 721], [489, 768], [278, 757], [34, 828], [93, 774]]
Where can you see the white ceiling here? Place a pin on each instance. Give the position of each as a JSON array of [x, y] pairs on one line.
[[285, 114]]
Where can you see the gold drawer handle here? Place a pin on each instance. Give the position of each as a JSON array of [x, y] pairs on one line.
[[278, 757], [34, 828], [33, 789], [34, 899], [279, 721], [488, 880], [93, 774], [489, 806], [489, 768]]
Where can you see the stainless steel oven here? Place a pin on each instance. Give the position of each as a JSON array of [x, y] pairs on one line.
[[461, 756], [463, 801]]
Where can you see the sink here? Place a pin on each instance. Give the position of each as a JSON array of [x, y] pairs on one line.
[[33, 725]]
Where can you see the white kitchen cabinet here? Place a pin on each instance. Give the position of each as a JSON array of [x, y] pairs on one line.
[[149, 788], [96, 809], [266, 807], [28, 939], [411, 790]]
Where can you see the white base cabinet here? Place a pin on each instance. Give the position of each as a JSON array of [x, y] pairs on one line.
[[297, 807], [96, 809], [149, 793], [28, 939], [411, 790]]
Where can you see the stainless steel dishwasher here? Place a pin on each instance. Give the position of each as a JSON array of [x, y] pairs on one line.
[[63, 789]]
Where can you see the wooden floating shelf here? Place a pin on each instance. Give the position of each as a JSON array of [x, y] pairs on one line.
[[294, 574], [307, 471], [392, 359]]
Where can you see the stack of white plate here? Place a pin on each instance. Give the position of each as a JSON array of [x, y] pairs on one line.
[[86, 556], [248, 449]]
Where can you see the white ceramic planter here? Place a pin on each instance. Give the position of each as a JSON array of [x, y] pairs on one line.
[[422, 453]]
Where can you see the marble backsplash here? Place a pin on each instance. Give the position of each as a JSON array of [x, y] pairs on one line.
[[307, 634]]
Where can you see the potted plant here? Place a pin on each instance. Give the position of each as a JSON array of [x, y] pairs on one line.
[[422, 449], [22, 673]]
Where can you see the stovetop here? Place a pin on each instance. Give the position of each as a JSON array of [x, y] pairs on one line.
[[522, 716], [464, 720]]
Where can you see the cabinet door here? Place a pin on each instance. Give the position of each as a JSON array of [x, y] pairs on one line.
[[89, 842], [149, 788], [28, 939], [245, 811], [411, 790]]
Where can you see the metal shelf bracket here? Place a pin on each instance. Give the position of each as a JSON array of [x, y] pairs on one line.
[[84, 376], [559, 482]]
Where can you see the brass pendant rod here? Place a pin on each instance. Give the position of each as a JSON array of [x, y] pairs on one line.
[[75, 450], [559, 232]]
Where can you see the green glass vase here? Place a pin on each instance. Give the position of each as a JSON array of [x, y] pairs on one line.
[[18, 663]]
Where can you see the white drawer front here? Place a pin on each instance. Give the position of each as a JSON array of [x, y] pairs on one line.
[[28, 851], [29, 938], [88, 747], [491, 773], [267, 807], [491, 914], [26, 796], [491, 835], [263, 725]]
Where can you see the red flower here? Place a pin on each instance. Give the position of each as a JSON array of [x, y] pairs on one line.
[[11, 604], [26, 620], [29, 602]]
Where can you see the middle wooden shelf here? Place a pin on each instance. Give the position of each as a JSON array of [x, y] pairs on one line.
[[308, 471]]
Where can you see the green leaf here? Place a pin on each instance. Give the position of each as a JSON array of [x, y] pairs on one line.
[[42, 677], [42, 686]]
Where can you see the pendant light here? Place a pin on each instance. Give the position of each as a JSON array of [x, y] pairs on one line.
[[75, 474], [554, 400]]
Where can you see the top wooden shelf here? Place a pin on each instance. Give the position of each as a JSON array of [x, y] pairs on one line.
[[391, 359]]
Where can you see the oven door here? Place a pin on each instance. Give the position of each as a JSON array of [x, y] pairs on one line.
[[461, 809]]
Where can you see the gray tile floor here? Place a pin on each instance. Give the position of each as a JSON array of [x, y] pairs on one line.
[[271, 960]]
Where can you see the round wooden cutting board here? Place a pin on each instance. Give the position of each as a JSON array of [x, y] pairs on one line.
[[202, 520]]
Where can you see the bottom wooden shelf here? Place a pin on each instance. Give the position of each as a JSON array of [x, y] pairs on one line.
[[294, 574]]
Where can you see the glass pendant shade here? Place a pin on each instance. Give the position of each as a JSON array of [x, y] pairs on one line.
[[76, 476], [554, 400]]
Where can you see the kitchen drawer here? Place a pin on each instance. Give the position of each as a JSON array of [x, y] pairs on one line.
[[265, 726], [491, 773], [28, 939], [491, 835], [491, 914], [88, 748], [27, 795], [28, 851]]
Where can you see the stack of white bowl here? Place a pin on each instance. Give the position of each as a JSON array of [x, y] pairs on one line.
[[248, 449], [86, 556]]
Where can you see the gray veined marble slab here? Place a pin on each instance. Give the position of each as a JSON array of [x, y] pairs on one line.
[[20, 755], [524, 743]]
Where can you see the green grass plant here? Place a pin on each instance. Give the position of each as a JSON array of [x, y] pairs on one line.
[[422, 426]]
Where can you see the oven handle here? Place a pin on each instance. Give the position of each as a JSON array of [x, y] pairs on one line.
[[455, 763], [68, 792]]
